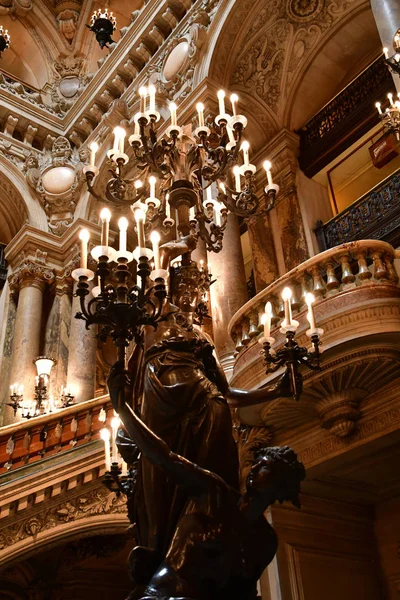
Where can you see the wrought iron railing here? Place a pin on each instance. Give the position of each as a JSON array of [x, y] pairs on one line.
[[376, 216], [344, 119]]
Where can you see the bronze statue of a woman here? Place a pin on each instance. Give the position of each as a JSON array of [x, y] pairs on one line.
[[221, 542]]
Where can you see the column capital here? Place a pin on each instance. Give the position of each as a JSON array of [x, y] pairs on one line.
[[31, 274]]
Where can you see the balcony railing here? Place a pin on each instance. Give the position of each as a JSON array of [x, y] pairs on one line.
[[347, 117], [365, 267], [376, 215], [32, 440]]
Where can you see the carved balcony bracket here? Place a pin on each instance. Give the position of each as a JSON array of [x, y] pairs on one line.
[[339, 411]]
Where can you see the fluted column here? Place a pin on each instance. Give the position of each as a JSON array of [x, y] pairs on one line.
[[387, 19], [81, 374], [30, 281], [229, 292]]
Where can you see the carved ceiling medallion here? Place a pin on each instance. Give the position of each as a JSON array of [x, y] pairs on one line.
[[304, 10]]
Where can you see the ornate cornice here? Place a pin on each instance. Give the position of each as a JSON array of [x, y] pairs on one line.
[[31, 274]]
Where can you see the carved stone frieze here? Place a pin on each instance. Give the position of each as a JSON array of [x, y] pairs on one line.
[[98, 501], [15, 7]]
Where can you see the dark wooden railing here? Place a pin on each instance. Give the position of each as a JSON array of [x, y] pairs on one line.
[[375, 216], [3, 267], [347, 117]]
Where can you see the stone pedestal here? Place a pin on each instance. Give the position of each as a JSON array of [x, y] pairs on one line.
[[229, 292], [81, 374]]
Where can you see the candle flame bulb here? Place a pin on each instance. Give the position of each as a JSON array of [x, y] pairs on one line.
[[286, 294], [200, 112], [152, 94], [234, 100], [378, 106], [236, 172], [267, 166], [123, 228], [155, 240], [138, 184], [245, 149], [310, 298], [93, 149], [173, 108], [105, 216], [142, 94], [84, 236], [221, 100]]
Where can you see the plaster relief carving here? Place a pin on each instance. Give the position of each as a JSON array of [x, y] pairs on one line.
[[55, 176], [67, 22], [174, 74], [15, 7], [70, 79]]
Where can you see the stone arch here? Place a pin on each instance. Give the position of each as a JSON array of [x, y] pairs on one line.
[[17, 206], [60, 533], [353, 40]]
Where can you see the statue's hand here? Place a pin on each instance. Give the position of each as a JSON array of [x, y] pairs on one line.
[[119, 385], [171, 250]]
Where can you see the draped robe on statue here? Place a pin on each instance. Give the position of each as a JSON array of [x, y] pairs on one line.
[[186, 409]]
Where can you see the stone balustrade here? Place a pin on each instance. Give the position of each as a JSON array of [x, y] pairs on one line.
[[344, 280], [32, 440]]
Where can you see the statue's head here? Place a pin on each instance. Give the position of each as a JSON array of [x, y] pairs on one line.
[[188, 284], [275, 476]]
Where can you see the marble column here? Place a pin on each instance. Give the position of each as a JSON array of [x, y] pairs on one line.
[[263, 251], [229, 292], [387, 19], [81, 373], [31, 280], [57, 333]]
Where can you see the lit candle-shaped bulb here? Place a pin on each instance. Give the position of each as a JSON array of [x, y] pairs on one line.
[[115, 422], [234, 100], [93, 149], [286, 296], [152, 99], [390, 96], [310, 298], [201, 264], [221, 101], [121, 140], [84, 236], [267, 166], [245, 149], [105, 217], [222, 187], [139, 218], [378, 106], [173, 108], [167, 207], [209, 197], [142, 94], [118, 133], [386, 53], [152, 182], [236, 172], [20, 390], [268, 318], [138, 184], [105, 436], [200, 113], [155, 240], [123, 228]]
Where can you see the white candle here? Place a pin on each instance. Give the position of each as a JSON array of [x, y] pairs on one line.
[[286, 296], [123, 228], [152, 182], [236, 172], [121, 144], [105, 436], [245, 149], [105, 217], [386, 53], [114, 426], [93, 149], [378, 106], [192, 213], [12, 389], [217, 214], [152, 99], [118, 131], [84, 236], [173, 108], [221, 100], [200, 113], [268, 317], [139, 218], [390, 96], [234, 99], [222, 187], [310, 298], [124, 467], [209, 197], [267, 166], [167, 207], [155, 240], [143, 94]]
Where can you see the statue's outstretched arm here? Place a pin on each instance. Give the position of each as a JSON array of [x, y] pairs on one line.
[[281, 388], [172, 250]]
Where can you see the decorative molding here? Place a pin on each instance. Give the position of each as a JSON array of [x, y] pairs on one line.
[[31, 274]]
